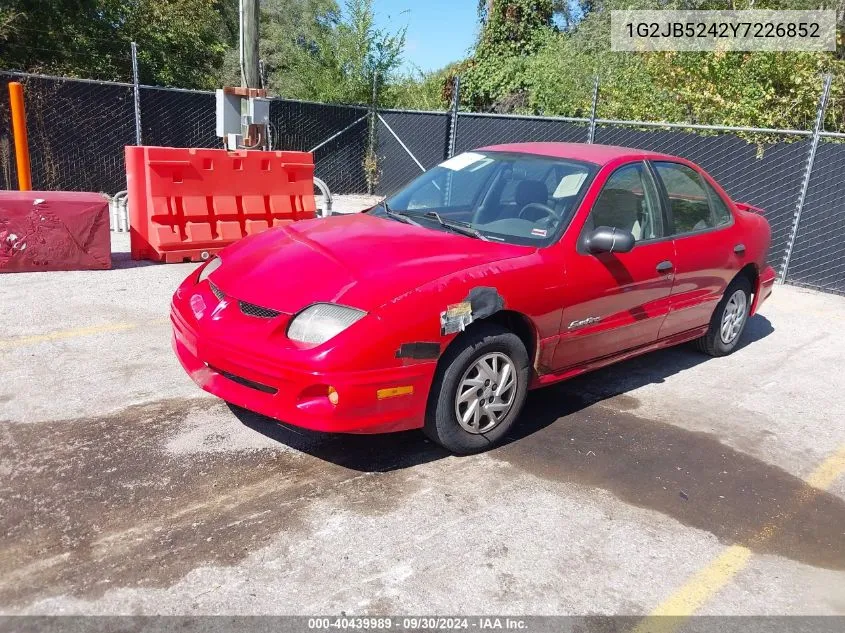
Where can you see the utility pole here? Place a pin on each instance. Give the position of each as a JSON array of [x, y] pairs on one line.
[[249, 44]]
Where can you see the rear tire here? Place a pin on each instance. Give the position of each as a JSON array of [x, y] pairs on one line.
[[729, 320], [468, 411]]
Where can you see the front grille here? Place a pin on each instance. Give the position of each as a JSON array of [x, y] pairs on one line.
[[250, 309], [246, 382], [217, 292]]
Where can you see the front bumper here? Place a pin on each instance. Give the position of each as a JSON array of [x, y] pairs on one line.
[[239, 371]]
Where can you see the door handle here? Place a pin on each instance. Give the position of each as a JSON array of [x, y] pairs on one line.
[[664, 266], [739, 249]]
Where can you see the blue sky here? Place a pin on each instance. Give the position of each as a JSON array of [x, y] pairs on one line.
[[439, 31]]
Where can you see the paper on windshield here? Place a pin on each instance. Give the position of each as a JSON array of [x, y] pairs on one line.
[[462, 161], [569, 185]]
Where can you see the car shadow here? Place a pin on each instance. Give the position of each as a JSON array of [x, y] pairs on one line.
[[545, 406], [365, 453], [394, 451]]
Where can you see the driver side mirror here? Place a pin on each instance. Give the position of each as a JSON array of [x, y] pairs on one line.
[[606, 239]]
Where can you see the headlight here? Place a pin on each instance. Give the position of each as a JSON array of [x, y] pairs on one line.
[[321, 321], [210, 267]]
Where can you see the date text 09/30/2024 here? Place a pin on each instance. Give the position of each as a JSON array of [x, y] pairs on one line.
[[481, 623]]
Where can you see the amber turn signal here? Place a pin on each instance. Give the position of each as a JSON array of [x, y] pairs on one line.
[[392, 392]]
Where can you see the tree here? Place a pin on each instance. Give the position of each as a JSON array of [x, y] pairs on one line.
[[315, 51], [293, 39], [512, 31], [180, 42], [555, 75], [420, 90], [7, 23]]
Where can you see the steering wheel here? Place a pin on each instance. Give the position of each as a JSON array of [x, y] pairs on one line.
[[539, 206]]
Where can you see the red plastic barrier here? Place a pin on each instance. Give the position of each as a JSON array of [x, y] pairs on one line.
[[187, 204], [53, 230]]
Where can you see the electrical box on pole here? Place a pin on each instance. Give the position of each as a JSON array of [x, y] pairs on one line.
[[243, 117]]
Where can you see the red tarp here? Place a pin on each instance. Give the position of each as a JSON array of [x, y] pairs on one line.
[[53, 230]]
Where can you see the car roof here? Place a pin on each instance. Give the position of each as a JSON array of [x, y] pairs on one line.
[[598, 154]]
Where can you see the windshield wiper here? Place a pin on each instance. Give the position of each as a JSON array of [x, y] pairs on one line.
[[397, 215], [457, 227]]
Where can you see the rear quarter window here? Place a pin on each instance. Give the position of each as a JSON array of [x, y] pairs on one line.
[[721, 213]]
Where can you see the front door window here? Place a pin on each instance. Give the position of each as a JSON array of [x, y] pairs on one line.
[[629, 201]]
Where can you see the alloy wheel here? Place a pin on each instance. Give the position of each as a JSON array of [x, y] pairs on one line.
[[734, 317], [486, 393]]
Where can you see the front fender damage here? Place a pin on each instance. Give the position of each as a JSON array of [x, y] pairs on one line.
[[480, 303]]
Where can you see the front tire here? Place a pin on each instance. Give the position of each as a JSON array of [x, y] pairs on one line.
[[729, 320], [479, 390]]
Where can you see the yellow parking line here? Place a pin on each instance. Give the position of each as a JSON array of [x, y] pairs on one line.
[[705, 583], [828, 471], [21, 341]]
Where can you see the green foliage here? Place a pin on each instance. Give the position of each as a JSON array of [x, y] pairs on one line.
[[180, 42], [316, 52], [556, 73], [419, 90], [749, 89], [294, 36], [538, 56], [513, 31], [7, 22], [365, 54]]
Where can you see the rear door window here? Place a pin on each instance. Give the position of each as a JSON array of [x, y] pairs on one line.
[[688, 199]]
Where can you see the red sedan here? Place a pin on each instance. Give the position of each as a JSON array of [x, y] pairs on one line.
[[500, 270]]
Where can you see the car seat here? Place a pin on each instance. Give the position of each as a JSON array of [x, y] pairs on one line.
[[618, 208], [531, 191]]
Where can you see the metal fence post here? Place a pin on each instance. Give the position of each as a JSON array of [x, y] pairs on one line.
[[592, 133], [371, 161], [453, 122], [136, 94], [808, 172]]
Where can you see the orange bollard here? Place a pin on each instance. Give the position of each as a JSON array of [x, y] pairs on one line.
[[19, 133]]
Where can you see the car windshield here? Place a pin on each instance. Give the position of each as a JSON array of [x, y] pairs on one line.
[[502, 196]]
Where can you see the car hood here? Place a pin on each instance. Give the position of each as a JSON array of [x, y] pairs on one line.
[[357, 260]]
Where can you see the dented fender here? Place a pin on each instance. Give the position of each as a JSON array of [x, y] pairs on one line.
[[480, 303]]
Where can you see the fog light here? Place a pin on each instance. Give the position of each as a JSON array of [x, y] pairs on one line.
[[333, 395]]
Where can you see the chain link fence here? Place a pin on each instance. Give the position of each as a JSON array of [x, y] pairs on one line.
[[410, 142], [78, 130], [478, 130], [337, 135], [400, 160], [818, 254], [177, 118]]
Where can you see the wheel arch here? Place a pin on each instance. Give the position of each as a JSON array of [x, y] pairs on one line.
[[513, 321], [750, 272]]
